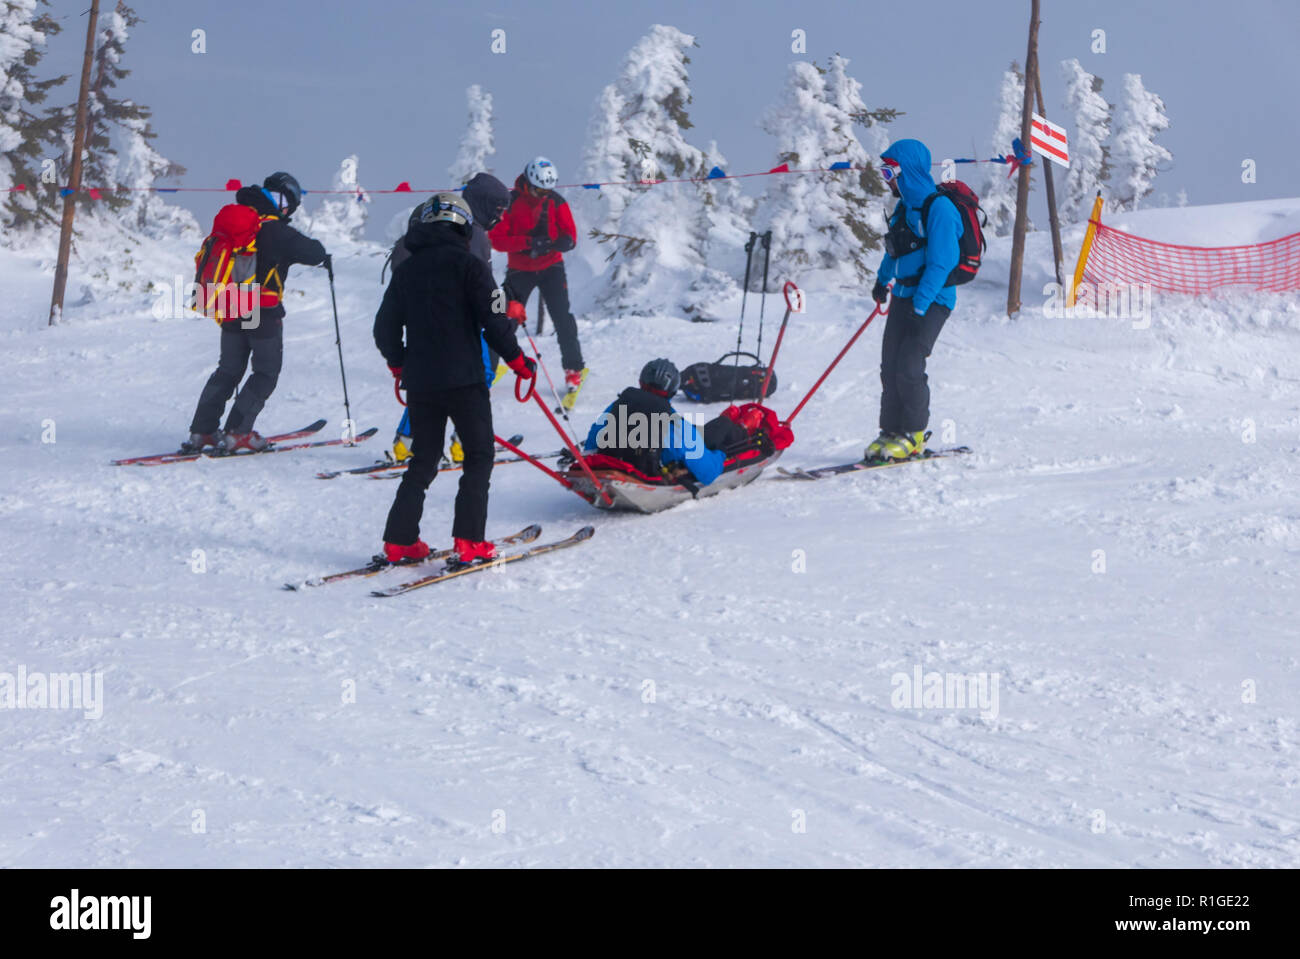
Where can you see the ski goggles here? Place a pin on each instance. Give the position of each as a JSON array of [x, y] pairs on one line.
[[889, 172]]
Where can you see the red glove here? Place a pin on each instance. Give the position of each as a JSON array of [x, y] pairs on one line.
[[516, 311], [524, 366], [397, 372]]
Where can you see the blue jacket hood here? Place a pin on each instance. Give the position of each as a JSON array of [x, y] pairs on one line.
[[913, 158]]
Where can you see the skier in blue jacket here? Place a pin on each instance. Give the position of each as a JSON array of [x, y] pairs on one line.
[[641, 428], [919, 256]]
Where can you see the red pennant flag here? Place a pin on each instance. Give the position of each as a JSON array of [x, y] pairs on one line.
[[783, 168], [20, 187], [233, 185], [94, 193], [402, 187]]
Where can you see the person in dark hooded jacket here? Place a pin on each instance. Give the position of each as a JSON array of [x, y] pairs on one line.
[[488, 198], [260, 337], [429, 328]]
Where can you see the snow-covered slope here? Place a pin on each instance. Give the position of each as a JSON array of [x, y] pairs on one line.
[[1119, 557]]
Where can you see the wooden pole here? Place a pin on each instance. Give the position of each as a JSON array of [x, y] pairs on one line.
[[74, 176], [1022, 185], [1058, 255]]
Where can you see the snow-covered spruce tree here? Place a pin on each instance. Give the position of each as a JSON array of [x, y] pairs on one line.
[[1136, 158], [141, 168], [820, 222], [1089, 114], [25, 25], [998, 198], [722, 222], [653, 231], [476, 144], [341, 218]]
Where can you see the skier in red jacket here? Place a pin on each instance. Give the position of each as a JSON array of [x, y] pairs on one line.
[[537, 230]]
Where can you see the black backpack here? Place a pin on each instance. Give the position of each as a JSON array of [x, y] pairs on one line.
[[724, 381], [971, 245]]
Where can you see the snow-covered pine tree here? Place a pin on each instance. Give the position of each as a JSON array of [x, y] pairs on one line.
[[820, 222], [142, 167], [1089, 114], [476, 144], [654, 233], [722, 223], [1136, 158], [998, 198], [25, 25], [341, 218]]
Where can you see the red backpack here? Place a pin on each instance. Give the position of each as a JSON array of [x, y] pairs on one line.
[[972, 243], [225, 268]]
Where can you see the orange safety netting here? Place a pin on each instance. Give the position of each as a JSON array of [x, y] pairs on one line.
[[1119, 257]]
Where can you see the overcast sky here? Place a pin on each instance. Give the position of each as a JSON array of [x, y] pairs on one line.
[[300, 84]]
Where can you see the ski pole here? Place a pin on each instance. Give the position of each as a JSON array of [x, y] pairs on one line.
[[744, 293], [762, 303], [839, 356], [350, 428], [789, 308]]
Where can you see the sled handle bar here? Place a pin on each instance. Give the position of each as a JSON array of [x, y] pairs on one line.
[[878, 311], [569, 444], [798, 295], [532, 387], [790, 307]]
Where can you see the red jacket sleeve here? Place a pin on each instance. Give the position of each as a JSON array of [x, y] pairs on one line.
[[504, 240]]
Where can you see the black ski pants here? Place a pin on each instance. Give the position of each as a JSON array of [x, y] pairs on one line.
[[553, 283], [265, 345], [470, 410], [907, 343]]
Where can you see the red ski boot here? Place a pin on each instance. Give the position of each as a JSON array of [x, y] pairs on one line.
[[469, 552], [406, 554]]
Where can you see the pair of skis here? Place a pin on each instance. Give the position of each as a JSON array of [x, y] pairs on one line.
[[453, 569], [280, 443], [822, 472], [387, 469]]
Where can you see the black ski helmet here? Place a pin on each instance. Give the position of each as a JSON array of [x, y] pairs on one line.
[[285, 184], [661, 375]]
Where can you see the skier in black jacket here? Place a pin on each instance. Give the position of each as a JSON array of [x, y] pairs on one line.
[[428, 330], [278, 246], [488, 198]]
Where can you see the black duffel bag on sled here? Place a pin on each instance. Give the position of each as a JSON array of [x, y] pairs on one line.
[[725, 380]]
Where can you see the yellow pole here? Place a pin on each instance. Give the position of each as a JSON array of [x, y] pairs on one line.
[[1093, 219]]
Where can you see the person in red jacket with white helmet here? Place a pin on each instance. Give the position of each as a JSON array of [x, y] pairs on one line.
[[536, 231]]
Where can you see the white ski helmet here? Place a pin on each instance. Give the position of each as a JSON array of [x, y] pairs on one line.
[[446, 208], [541, 173]]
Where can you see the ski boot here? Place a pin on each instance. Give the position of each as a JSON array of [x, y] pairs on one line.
[[396, 553], [876, 451], [904, 446], [456, 451], [573, 380], [401, 448], [199, 441], [467, 552], [252, 440]]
